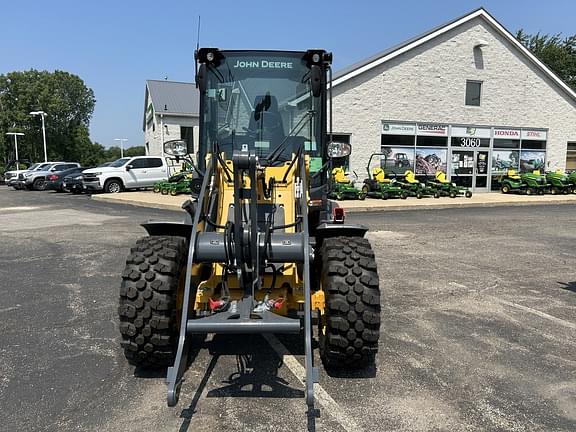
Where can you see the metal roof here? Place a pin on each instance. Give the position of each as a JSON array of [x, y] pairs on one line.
[[388, 54], [174, 97]]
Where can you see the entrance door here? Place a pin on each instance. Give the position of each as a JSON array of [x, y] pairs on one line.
[[469, 168]]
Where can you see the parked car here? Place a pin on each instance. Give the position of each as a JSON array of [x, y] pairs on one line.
[[126, 173], [17, 180], [55, 181], [73, 183], [36, 179], [10, 171]]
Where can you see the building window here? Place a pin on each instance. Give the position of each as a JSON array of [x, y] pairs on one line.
[[186, 134], [397, 140], [571, 156], [431, 141], [473, 91]]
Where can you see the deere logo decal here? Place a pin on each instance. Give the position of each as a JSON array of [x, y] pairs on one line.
[[263, 64], [470, 131]]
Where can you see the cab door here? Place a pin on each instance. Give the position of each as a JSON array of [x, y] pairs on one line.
[[156, 170]]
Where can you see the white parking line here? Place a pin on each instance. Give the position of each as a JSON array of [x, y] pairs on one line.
[[544, 315], [321, 395], [20, 208]]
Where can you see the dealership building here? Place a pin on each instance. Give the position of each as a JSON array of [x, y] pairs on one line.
[[466, 98]]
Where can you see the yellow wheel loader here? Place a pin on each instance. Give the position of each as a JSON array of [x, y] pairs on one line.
[[262, 249]]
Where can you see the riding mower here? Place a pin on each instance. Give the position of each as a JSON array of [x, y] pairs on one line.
[[412, 186], [261, 249], [180, 178], [343, 187], [559, 182], [377, 185], [441, 186], [528, 183]]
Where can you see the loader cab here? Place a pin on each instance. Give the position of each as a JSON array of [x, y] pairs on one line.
[[268, 102]]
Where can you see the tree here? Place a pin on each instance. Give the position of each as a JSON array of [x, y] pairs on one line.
[[68, 102], [558, 53]]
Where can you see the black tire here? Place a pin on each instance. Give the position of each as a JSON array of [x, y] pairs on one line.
[[403, 195], [436, 195], [39, 184], [529, 191], [339, 196], [385, 195], [554, 190], [505, 189], [352, 317], [365, 189], [468, 194], [113, 186], [453, 194], [147, 310], [419, 195]]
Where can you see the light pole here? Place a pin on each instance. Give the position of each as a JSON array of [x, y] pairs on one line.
[[121, 145], [42, 114], [16, 135]]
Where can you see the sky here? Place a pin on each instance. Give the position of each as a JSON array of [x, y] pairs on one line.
[[115, 46]]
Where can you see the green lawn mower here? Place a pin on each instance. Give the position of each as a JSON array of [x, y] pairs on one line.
[[377, 185], [343, 187], [559, 182], [529, 183], [441, 186], [412, 186]]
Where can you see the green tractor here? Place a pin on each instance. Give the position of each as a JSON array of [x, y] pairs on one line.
[[441, 186], [377, 185], [559, 182], [343, 187]]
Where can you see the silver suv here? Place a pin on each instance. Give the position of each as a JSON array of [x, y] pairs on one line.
[[36, 180]]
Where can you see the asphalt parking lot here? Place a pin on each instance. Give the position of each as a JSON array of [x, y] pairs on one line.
[[478, 329]]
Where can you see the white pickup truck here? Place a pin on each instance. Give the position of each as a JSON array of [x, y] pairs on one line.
[[125, 173]]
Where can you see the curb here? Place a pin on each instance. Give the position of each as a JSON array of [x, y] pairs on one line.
[[349, 210]]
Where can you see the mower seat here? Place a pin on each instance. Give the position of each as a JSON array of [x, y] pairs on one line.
[[379, 176], [441, 177], [410, 177], [340, 176], [536, 172], [513, 175]]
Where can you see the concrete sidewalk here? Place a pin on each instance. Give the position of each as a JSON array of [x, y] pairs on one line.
[[150, 199]]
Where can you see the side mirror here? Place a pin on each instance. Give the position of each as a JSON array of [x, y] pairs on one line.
[[316, 80], [129, 167], [338, 150], [176, 148]]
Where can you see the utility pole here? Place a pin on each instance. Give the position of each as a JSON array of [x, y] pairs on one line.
[[16, 135], [42, 114], [121, 145]]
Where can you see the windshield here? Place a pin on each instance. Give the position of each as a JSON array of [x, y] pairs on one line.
[[259, 101], [43, 167], [119, 162], [34, 166]]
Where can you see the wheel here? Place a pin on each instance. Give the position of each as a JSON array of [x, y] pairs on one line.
[[156, 189], [505, 189], [39, 184], [385, 195], [173, 192], [468, 194], [453, 194], [540, 191], [113, 186], [403, 195], [339, 196], [365, 189], [436, 195], [350, 327], [565, 191], [529, 191], [148, 293], [164, 191], [419, 195], [554, 190]]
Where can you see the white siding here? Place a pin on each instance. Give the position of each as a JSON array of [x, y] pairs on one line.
[[427, 84]]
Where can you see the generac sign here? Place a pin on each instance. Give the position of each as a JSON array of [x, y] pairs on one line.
[[507, 133]]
